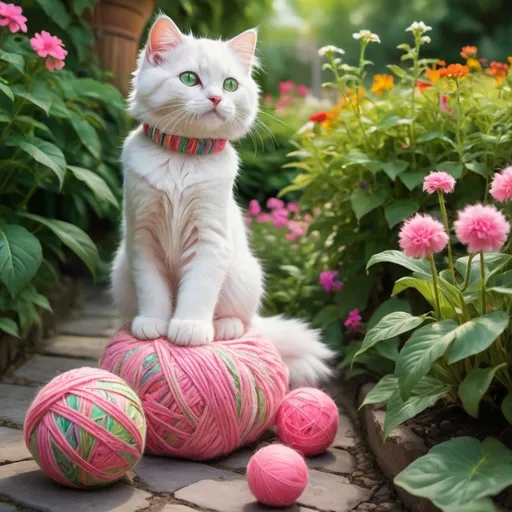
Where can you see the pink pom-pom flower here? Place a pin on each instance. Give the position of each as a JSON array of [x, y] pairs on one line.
[[275, 204], [422, 236], [501, 187], [10, 16], [353, 321], [482, 228], [254, 208], [439, 181], [50, 48], [329, 281]]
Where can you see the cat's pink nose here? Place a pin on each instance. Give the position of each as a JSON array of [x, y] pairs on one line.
[[215, 100]]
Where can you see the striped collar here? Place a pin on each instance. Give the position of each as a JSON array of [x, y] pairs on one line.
[[184, 144]]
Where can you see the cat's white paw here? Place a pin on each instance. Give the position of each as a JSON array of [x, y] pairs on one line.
[[190, 332], [228, 328], [149, 328]]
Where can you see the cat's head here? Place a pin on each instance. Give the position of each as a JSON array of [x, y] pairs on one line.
[[195, 87]]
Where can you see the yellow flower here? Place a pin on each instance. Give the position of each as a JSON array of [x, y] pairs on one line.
[[382, 83], [509, 60], [474, 65], [433, 75]]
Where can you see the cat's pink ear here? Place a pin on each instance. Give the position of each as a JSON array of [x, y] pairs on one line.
[[244, 46], [163, 36]]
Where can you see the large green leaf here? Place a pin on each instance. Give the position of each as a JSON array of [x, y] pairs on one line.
[[425, 394], [483, 505], [20, 256], [494, 262], [80, 5], [15, 59], [459, 472], [501, 283], [390, 326], [363, 202], [7, 91], [71, 236], [90, 88], [96, 183], [394, 168], [399, 258], [57, 11], [400, 210], [477, 335], [43, 102], [382, 391], [423, 348], [474, 386], [41, 151], [9, 326], [506, 408], [391, 305], [87, 134]]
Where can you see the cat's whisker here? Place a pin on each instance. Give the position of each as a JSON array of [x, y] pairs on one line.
[[276, 119]]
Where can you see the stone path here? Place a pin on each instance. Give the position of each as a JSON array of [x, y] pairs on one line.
[[342, 480]]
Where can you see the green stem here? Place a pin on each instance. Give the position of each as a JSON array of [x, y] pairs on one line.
[[468, 273], [482, 276], [447, 228], [436, 286], [412, 133], [459, 123]]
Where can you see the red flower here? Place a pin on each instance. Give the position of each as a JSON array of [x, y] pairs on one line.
[[421, 85], [319, 117]]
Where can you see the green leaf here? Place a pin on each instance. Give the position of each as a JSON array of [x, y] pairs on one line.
[[41, 101], [105, 93], [501, 283], [391, 305], [55, 10], [474, 386], [41, 151], [14, 59], [9, 326], [425, 394], [95, 183], [293, 271], [419, 353], [483, 505], [364, 202], [382, 391], [452, 168], [399, 258], [459, 472], [393, 169], [399, 210], [506, 408], [412, 179], [27, 120], [327, 316], [477, 335], [388, 349], [398, 71], [477, 168], [391, 121], [390, 326], [80, 5], [7, 91], [87, 134], [430, 136], [71, 236], [20, 257]]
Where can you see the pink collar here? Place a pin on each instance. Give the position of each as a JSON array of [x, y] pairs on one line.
[[184, 144]]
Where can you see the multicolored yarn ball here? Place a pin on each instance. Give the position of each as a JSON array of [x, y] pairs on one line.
[[307, 421], [277, 475], [204, 401], [86, 428]]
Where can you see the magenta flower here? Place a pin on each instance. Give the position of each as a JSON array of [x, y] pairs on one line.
[[293, 207], [302, 90], [254, 208], [422, 236], [501, 187], [482, 228], [50, 48], [286, 87], [279, 218], [264, 217], [439, 181], [275, 204], [329, 281], [443, 104], [353, 321], [10, 15], [296, 231]]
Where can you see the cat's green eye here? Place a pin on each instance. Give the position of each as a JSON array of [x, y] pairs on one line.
[[189, 78], [230, 84]]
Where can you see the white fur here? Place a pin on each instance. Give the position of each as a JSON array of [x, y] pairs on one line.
[[184, 268]]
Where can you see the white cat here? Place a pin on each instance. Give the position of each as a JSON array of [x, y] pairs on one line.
[[184, 268]]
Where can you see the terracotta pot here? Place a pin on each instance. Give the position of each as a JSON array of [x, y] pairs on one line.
[[118, 26]]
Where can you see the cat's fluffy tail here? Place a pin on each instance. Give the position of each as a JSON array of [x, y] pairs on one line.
[[300, 347]]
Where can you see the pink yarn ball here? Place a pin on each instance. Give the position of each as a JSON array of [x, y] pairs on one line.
[[205, 401], [307, 421], [277, 475], [86, 428]]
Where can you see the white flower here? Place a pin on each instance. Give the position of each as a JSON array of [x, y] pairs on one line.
[[426, 39], [367, 36], [330, 49], [306, 128], [418, 26], [337, 61]]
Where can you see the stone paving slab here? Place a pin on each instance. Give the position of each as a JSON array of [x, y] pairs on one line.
[[102, 327], [237, 460], [89, 347], [44, 368], [25, 483], [14, 402], [12, 446], [168, 475], [5, 507], [174, 508], [337, 461]]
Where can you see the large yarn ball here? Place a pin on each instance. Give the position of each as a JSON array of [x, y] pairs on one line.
[[86, 428], [277, 475], [307, 421], [203, 401]]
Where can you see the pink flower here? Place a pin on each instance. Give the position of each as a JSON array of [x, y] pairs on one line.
[[308, 218], [329, 281], [296, 231], [501, 187], [353, 321], [53, 64], [44, 44], [254, 208], [302, 91], [443, 104], [275, 204], [10, 15], [293, 207], [422, 236], [279, 218], [286, 87], [439, 181], [482, 228], [264, 217]]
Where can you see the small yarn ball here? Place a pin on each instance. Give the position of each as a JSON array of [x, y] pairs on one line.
[[307, 421], [277, 475], [86, 428], [203, 401]]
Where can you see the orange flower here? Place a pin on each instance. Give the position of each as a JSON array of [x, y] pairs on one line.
[[382, 83], [421, 85], [433, 75], [498, 70], [474, 65], [509, 60], [454, 71], [441, 63], [469, 52]]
